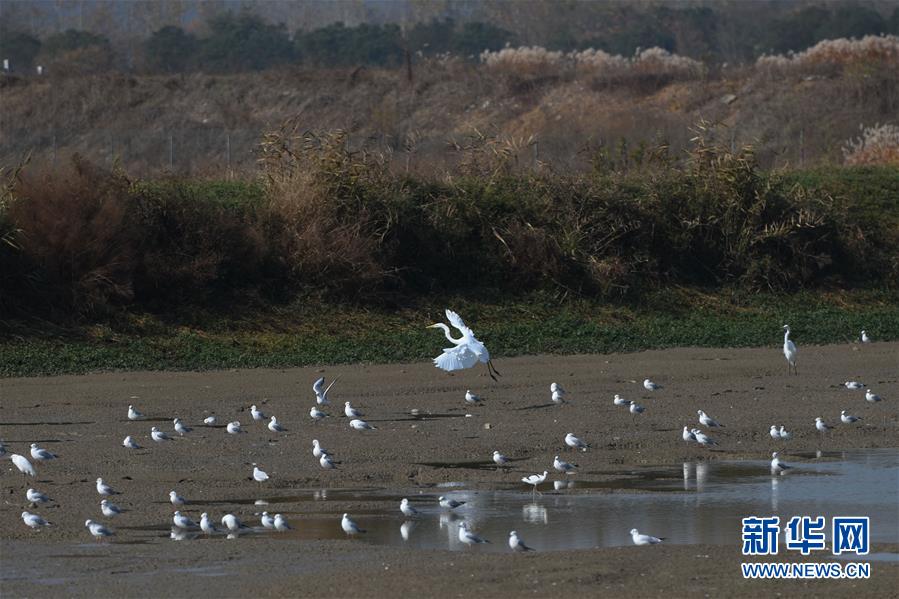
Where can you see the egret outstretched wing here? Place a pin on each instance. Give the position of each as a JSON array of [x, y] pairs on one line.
[[456, 358], [457, 322]]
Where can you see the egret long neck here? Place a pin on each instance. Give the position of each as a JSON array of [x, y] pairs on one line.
[[446, 331]]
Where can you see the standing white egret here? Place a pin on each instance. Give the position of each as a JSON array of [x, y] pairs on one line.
[[865, 338], [790, 351], [468, 350], [22, 463]]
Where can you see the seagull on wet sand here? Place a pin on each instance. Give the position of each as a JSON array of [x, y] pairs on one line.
[[784, 434], [33, 520], [326, 462], [159, 436], [557, 398], [864, 337], [650, 386], [281, 523], [97, 529], [104, 489], [22, 463], [321, 392], [361, 425], [232, 523], [259, 475], [516, 543], [557, 388], [182, 521], [233, 428], [471, 397], [110, 509], [776, 465], [256, 414], [703, 439], [821, 425], [449, 504], [706, 420], [317, 450], [134, 414], [499, 459], [563, 466], [636, 409], [871, 397], [176, 500], [209, 421], [644, 539], [41, 455], [266, 520], [275, 426], [848, 418], [180, 427], [575, 443], [468, 537], [130, 443], [854, 385], [774, 433], [688, 435], [316, 414], [350, 412], [534, 479], [349, 526], [620, 401], [35, 497], [407, 509], [206, 525]]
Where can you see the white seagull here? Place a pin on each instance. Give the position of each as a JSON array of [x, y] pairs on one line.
[[688, 435], [33, 520], [467, 350], [821, 425], [110, 509], [361, 425], [471, 397], [104, 489], [534, 479], [644, 539], [130, 443], [36, 497], [557, 398], [232, 523], [865, 338], [349, 526], [256, 414], [871, 397], [499, 459], [407, 509], [854, 385], [449, 504], [636, 408], [321, 393], [266, 520], [468, 537], [22, 463], [275, 426], [281, 523], [233, 427], [326, 462], [159, 436], [557, 388], [776, 465], [848, 418], [620, 401], [209, 421], [182, 521], [41, 455], [206, 525], [650, 386], [773, 432], [317, 450], [259, 475], [575, 443], [351, 412], [97, 529], [134, 414], [176, 500], [790, 350], [316, 414], [706, 420], [563, 466], [516, 543], [784, 434], [703, 439], [180, 427]]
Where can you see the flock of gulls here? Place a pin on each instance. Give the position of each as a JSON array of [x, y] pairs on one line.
[[466, 352]]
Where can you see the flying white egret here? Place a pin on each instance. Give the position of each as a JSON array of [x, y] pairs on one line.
[[407, 509], [865, 338], [321, 392], [275, 426], [35, 497], [776, 465], [650, 386], [575, 443], [33, 520], [41, 455], [499, 459], [350, 412], [180, 427], [467, 350], [706, 420], [104, 489], [449, 504], [110, 509], [871, 397], [790, 351], [516, 543], [281, 523], [848, 418], [134, 414], [256, 414], [644, 539], [22, 463], [468, 537], [97, 529], [259, 475], [349, 526], [534, 479], [158, 436]]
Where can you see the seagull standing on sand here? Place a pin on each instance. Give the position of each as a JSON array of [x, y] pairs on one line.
[[33, 520], [821, 425], [516, 543], [848, 418], [256, 414], [130, 443], [104, 489], [557, 398], [703, 439], [326, 462], [784, 434], [407, 509], [468, 537], [233, 428], [467, 350], [259, 475], [232, 523], [266, 520], [316, 414], [774, 434], [790, 351], [361, 425], [281, 523], [159, 436], [41, 455], [871, 397], [557, 388], [317, 450], [650, 386], [636, 409], [182, 521], [134, 414], [563, 466], [275, 426], [688, 435], [449, 504], [471, 397], [209, 421], [534, 479], [349, 526], [865, 338], [644, 539], [321, 392], [351, 412], [776, 465], [575, 443], [97, 529], [620, 401], [35, 497], [110, 509], [206, 525], [180, 427], [22, 463], [706, 420], [176, 500], [499, 459]]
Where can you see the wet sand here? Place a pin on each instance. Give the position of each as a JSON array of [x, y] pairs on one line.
[[83, 419]]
